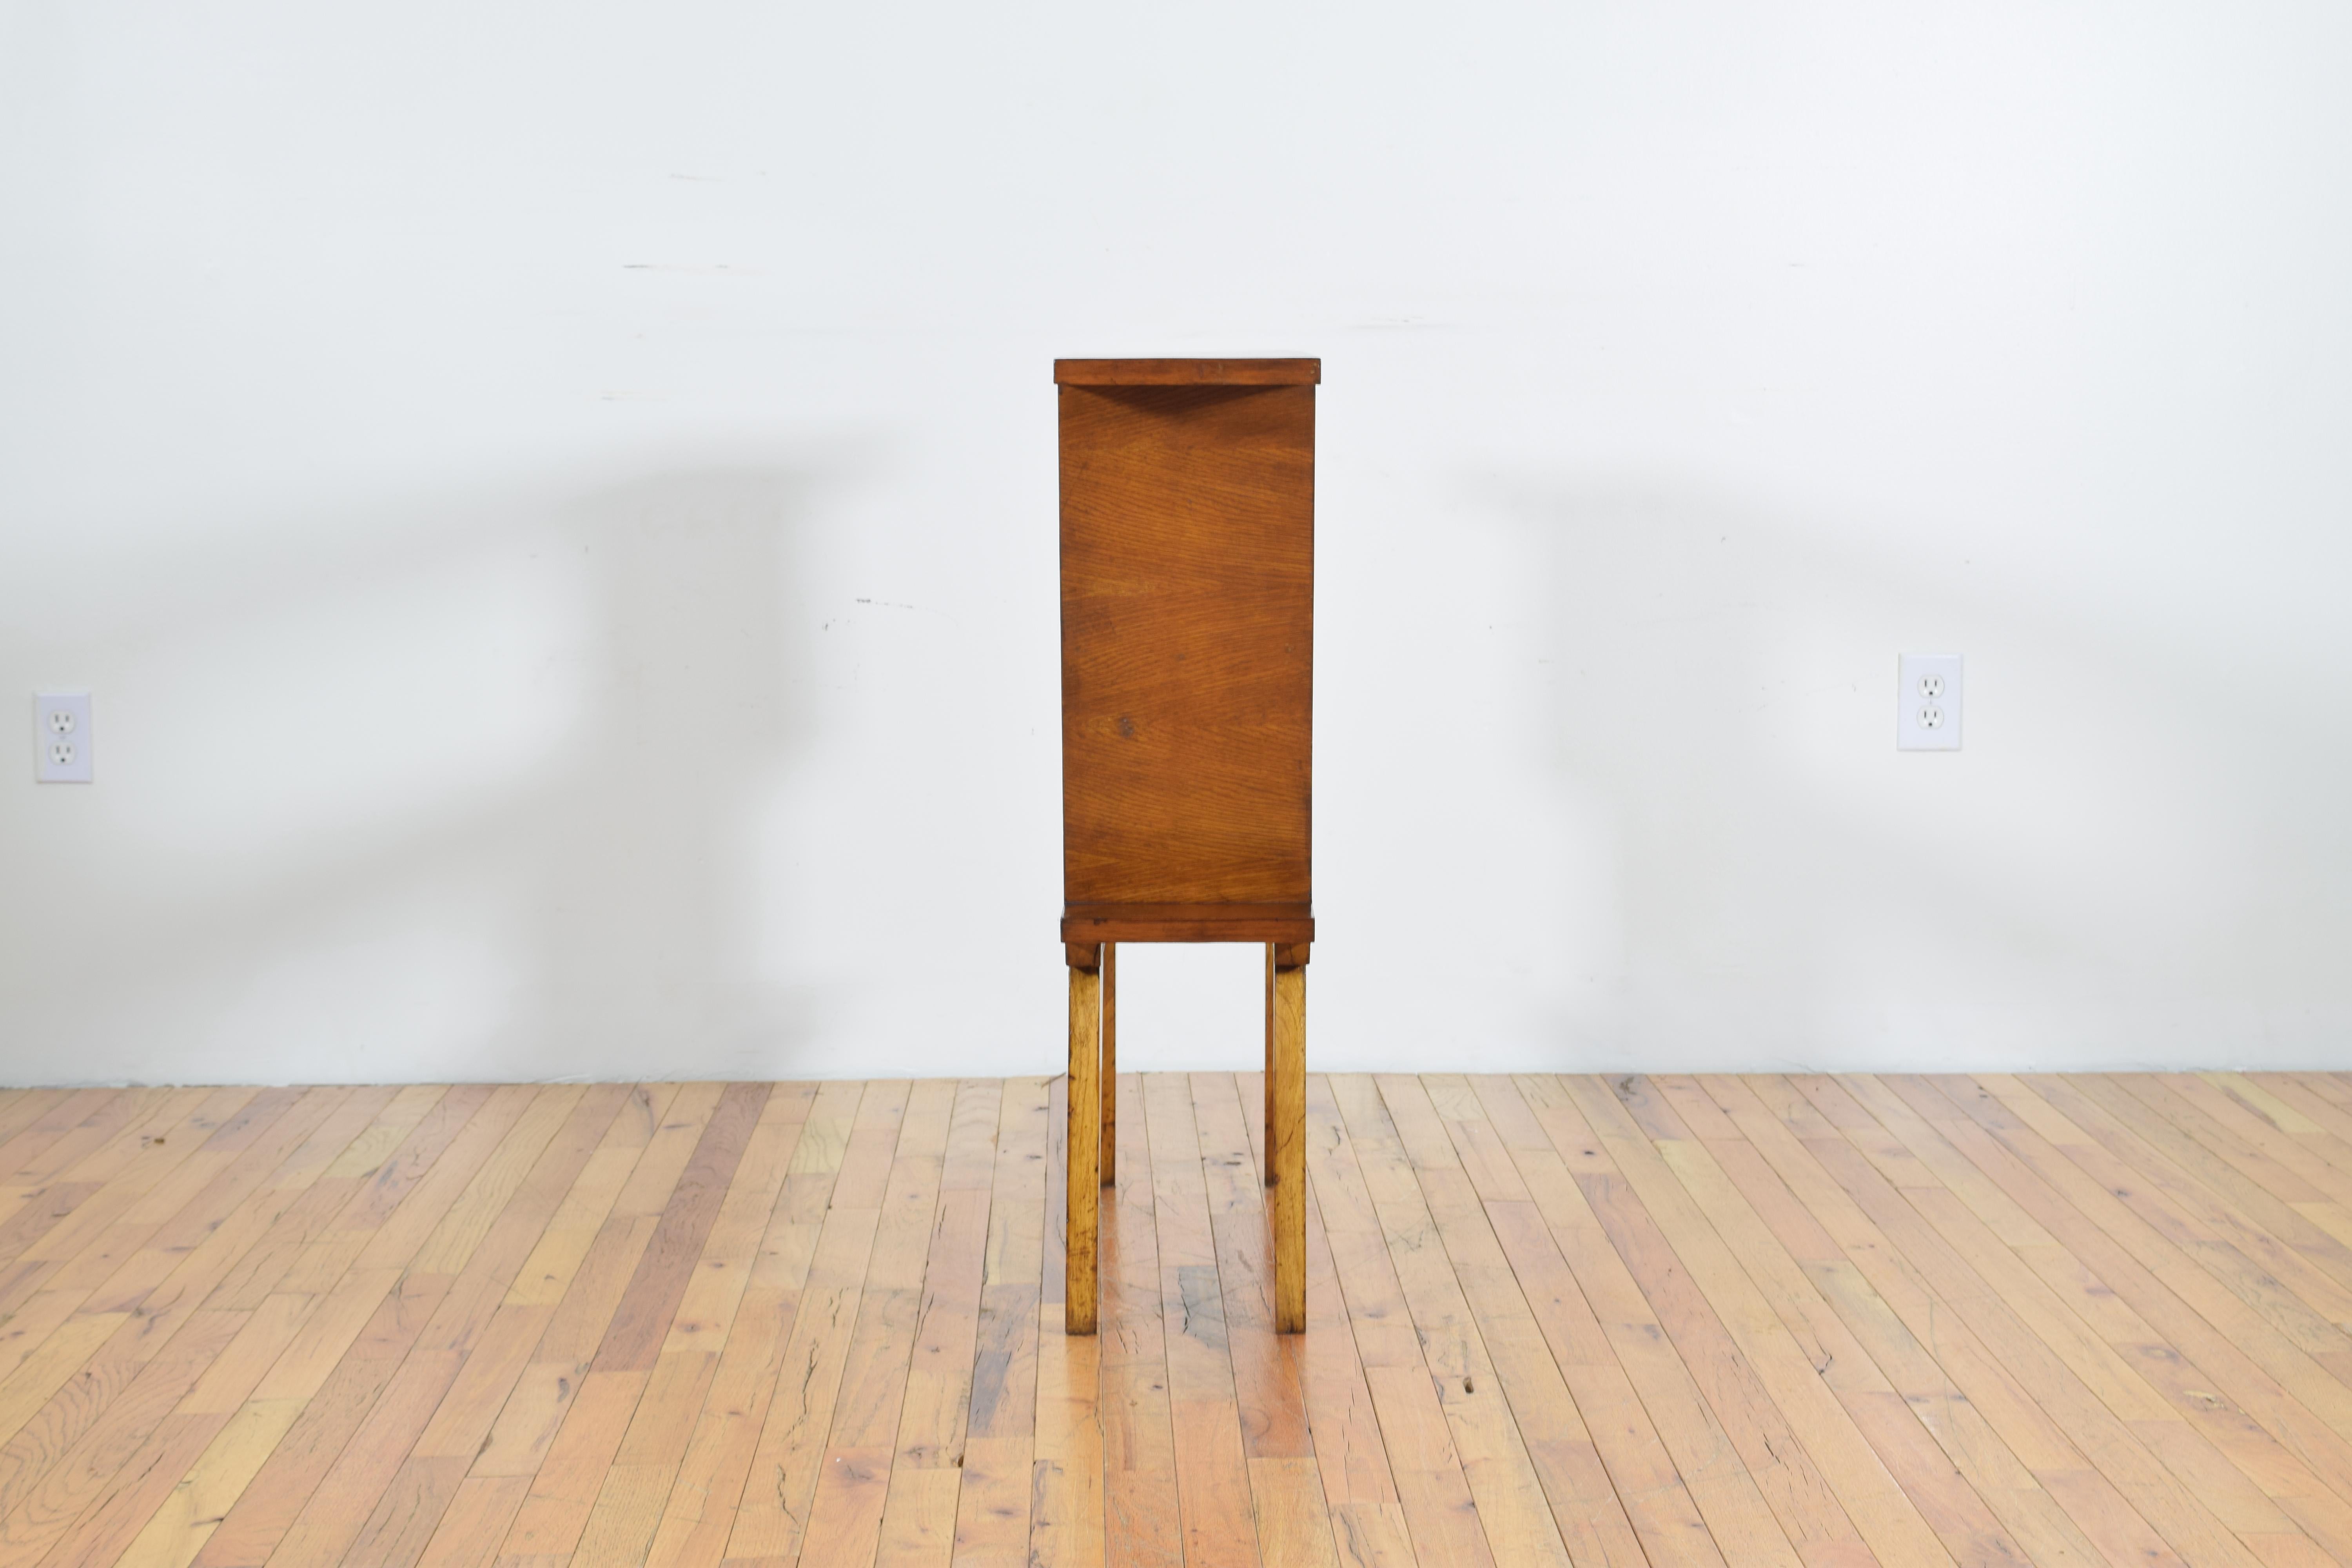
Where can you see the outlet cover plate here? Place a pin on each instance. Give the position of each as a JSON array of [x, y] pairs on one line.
[[61, 737], [1928, 702]]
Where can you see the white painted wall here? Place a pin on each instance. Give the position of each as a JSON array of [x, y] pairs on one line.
[[555, 503]]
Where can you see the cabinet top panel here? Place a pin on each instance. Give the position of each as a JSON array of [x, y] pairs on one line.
[[1187, 372]]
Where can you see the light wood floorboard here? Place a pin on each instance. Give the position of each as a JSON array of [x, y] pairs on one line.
[[1953, 1321]]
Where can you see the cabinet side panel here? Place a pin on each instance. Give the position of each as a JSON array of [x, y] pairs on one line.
[[1188, 629]]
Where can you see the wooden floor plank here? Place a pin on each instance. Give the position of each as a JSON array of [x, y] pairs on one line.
[[2202, 1433], [1749, 1211], [1210, 1457], [86, 1124], [1433, 1495], [250, 1247], [197, 1298], [1367, 1521], [2096, 1401], [24, 1108], [565, 1420], [2288, 1104], [56, 1248], [1513, 1509], [1990, 1429], [768, 1523], [1001, 1416], [919, 1514], [699, 1511], [2236, 1208], [1650, 1488], [844, 1517], [1666, 1320], [2227, 1290], [2136, 1205], [2252, 1117], [118, 1506], [1066, 1496], [1141, 1517], [1573, 1185], [1269, 1366], [2276, 1441], [1462, 1165], [1666, 1172], [155, 1250], [378, 1504], [727, 1211], [370, 1314]]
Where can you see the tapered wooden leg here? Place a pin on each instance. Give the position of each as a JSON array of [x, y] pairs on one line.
[[1286, 1138], [1085, 1149], [1110, 1065], [1268, 1140]]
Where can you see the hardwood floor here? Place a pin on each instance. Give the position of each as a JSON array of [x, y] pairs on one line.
[[1673, 1320]]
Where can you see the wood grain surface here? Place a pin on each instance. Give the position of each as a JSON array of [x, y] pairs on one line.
[[1188, 683], [1086, 925], [1187, 635], [1664, 1320], [1187, 372], [1110, 1151], [1082, 1153]]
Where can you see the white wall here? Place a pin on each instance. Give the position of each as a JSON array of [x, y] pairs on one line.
[[555, 504]]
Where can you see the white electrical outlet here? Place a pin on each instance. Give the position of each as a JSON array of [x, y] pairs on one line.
[[1928, 702], [61, 737]]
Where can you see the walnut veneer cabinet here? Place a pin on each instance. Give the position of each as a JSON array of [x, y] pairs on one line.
[[1188, 684]]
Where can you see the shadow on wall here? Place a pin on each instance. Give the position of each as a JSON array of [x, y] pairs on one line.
[[641, 868], [2135, 857], [469, 799]]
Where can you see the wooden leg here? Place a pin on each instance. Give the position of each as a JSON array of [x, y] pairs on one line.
[[1110, 1065], [1269, 1064], [1084, 1149], [1286, 1141]]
